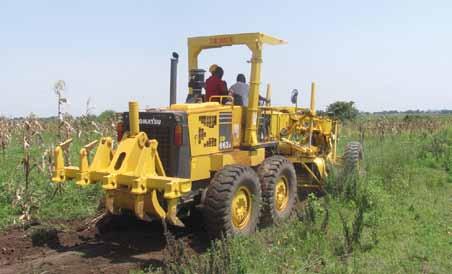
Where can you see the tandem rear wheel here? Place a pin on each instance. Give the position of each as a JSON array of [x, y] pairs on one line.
[[232, 202], [237, 198], [279, 189]]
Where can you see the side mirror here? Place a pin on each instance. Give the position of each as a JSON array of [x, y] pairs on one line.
[[294, 96]]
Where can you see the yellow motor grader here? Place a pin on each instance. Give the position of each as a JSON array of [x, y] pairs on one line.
[[241, 165]]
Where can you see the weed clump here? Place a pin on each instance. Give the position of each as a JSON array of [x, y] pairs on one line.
[[219, 258]]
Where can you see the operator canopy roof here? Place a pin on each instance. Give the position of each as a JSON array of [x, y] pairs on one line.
[[253, 41], [215, 41]]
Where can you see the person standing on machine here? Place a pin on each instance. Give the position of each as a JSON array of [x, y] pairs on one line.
[[240, 91], [215, 86]]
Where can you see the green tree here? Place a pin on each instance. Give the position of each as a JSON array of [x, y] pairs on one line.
[[105, 115], [343, 110]]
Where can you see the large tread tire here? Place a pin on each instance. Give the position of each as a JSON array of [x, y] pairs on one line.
[[219, 197], [270, 172], [353, 155]]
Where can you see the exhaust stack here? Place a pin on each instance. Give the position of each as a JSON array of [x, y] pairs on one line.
[[173, 78], [313, 91]]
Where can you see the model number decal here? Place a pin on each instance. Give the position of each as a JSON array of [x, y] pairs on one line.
[[152, 121], [225, 145]]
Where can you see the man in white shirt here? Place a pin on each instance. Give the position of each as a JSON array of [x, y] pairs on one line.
[[240, 91]]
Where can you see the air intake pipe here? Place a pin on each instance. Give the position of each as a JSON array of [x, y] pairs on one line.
[[173, 78]]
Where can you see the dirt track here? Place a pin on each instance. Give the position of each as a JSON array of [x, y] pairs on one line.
[[127, 244]]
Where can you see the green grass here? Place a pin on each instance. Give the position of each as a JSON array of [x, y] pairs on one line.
[[406, 226], [404, 199]]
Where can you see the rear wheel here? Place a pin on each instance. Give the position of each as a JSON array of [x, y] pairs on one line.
[[279, 189], [232, 202]]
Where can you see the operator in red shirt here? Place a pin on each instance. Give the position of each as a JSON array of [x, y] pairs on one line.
[[215, 86]]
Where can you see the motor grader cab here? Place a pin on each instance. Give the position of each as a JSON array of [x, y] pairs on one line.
[[239, 165]]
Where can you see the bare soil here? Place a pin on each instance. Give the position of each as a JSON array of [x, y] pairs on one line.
[[124, 244]]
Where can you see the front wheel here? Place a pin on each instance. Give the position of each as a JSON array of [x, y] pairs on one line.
[[353, 157], [232, 203]]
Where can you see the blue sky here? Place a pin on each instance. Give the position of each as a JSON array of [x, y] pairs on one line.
[[381, 54]]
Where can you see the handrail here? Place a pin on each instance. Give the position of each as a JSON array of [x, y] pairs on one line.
[[221, 98]]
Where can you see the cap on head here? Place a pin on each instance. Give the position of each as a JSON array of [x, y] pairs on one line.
[[212, 68]]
